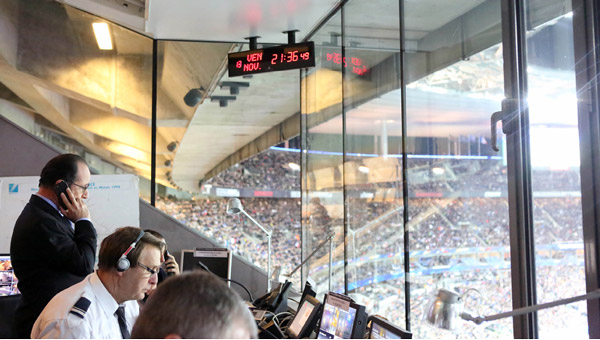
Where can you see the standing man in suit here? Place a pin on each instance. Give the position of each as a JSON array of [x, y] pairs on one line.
[[53, 247]]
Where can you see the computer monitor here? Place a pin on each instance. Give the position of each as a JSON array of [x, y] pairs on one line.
[[307, 291], [383, 329], [275, 301], [8, 280], [306, 318], [342, 318], [216, 260]]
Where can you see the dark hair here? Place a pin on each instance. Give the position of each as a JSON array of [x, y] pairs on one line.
[[115, 244], [193, 305], [154, 233], [60, 167], [163, 244]]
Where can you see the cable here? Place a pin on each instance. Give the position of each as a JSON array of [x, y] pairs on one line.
[[264, 319], [288, 317], [265, 330], [203, 266], [241, 285], [275, 317], [291, 317], [278, 314]]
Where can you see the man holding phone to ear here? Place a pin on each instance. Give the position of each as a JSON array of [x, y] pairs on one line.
[[171, 268], [168, 261], [53, 245]]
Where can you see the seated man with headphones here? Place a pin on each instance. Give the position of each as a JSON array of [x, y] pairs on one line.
[[104, 304]]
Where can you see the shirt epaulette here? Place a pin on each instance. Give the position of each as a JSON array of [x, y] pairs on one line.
[[80, 307]]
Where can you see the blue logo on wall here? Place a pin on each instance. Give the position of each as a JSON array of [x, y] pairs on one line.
[[13, 188]]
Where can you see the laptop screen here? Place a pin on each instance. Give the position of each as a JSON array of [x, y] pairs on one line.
[[378, 332], [8, 280], [383, 329], [301, 318], [337, 320]]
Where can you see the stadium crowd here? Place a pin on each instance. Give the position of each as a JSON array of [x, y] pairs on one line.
[[268, 170], [453, 224], [209, 217]]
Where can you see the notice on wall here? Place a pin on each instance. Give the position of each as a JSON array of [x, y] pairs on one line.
[[113, 201]]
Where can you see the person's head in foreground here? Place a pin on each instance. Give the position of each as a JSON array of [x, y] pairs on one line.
[[195, 305]]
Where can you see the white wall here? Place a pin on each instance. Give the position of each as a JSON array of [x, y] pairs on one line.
[[113, 202]]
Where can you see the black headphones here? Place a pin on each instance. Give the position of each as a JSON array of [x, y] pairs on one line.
[[123, 263]]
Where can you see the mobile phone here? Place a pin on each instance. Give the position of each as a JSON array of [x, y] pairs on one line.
[[167, 254], [61, 187]]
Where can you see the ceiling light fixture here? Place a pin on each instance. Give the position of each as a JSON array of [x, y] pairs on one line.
[[102, 35]]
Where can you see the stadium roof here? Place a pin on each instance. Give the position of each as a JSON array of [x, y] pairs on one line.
[[53, 70]]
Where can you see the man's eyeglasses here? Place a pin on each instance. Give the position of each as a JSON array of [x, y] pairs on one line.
[[84, 187], [148, 270]]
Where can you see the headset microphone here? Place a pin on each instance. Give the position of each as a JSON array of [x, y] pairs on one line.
[[123, 263]]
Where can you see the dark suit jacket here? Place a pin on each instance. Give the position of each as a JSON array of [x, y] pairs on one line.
[[47, 256]]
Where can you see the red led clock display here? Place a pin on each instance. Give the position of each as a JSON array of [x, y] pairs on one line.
[[356, 65], [277, 58]]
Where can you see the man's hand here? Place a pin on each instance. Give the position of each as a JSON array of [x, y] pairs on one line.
[[171, 266], [76, 209]]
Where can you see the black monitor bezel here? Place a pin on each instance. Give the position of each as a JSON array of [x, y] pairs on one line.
[[313, 314], [354, 305], [229, 259], [390, 327], [307, 291]]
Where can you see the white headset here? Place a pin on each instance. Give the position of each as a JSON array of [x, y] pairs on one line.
[[123, 263]]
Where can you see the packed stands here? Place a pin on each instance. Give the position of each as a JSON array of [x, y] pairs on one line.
[[267, 170], [458, 233]]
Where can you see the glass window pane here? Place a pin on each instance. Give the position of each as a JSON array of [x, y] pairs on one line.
[[74, 95], [207, 128], [322, 145], [554, 136], [458, 207], [373, 147]]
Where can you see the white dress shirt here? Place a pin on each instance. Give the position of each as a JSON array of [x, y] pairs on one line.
[[60, 320], [61, 214]]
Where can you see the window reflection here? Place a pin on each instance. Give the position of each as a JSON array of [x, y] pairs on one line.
[[554, 136], [76, 97], [458, 205], [457, 200], [265, 173]]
